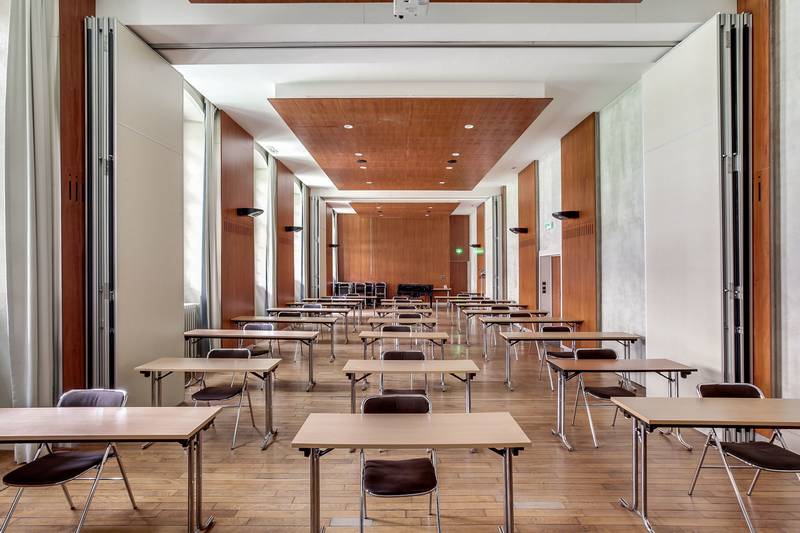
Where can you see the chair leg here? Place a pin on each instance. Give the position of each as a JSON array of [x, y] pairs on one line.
[[238, 415], [614, 422], [14, 503], [438, 513], [250, 408], [753, 483], [124, 476], [735, 488], [589, 414], [700, 464], [577, 394], [68, 497], [92, 490]]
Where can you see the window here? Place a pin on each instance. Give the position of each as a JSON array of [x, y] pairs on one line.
[[193, 165], [260, 229], [298, 240]]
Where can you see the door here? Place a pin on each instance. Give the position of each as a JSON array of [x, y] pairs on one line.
[[545, 284]]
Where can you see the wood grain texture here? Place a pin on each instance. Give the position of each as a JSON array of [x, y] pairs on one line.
[[555, 269], [71, 14], [763, 249], [237, 266], [407, 142], [327, 289], [527, 196], [403, 210], [578, 236], [394, 250], [459, 263], [480, 259], [285, 247]]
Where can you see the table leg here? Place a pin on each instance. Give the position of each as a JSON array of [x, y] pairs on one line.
[[485, 342], [466, 333], [153, 395], [346, 330], [560, 402], [365, 384], [634, 503], [269, 428], [678, 430], [311, 381], [508, 366], [469, 393], [441, 353], [333, 342], [352, 394], [643, 482], [508, 493], [198, 467], [190, 479], [314, 500], [158, 389]]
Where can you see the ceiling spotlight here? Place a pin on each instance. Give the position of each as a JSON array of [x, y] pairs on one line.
[[430, 207], [455, 154], [466, 126], [369, 183], [441, 183], [427, 215], [357, 154], [362, 167], [448, 168], [350, 126], [377, 207]]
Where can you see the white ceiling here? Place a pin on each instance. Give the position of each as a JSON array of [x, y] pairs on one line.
[[582, 56]]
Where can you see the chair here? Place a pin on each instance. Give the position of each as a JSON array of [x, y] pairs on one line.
[[518, 314], [291, 314], [558, 352], [59, 467], [759, 455], [404, 355], [258, 349], [220, 393], [360, 288], [398, 478], [380, 290], [393, 328], [600, 393]]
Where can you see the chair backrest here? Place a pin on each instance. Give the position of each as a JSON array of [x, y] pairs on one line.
[[396, 404], [403, 355], [312, 306], [291, 314], [396, 329], [409, 315], [258, 326], [729, 390], [229, 353], [93, 398], [595, 353]]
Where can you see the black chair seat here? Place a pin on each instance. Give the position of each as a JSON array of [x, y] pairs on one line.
[[405, 391], [399, 478], [258, 349], [561, 355], [54, 468], [609, 392], [217, 393], [763, 455]]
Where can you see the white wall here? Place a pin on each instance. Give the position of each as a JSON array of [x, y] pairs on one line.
[[512, 240], [550, 201], [682, 208], [149, 201]]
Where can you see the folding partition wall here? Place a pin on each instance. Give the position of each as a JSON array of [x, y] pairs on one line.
[[697, 185], [134, 132]]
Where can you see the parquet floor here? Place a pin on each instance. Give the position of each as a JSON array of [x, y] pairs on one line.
[[249, 490]]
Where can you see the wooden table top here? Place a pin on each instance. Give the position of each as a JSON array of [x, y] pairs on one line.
[[422, 310], [401, 321], [281, 334], [402, 431], [344, 303], [432, 366], [287, 319], [714, 412], [103, 424], [568, 336], [527, 320], [476, 311], [203, 364], [487, 303], [619, 365], [309, 310], [418, 335], [337, 299]]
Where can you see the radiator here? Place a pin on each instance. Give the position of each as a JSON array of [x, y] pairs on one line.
[[191, 320]]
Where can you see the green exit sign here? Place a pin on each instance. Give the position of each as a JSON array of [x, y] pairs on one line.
[[459, 251], [548, 225], [479, 251]]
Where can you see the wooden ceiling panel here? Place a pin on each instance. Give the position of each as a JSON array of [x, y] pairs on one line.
[[403, 210], [407, 142]]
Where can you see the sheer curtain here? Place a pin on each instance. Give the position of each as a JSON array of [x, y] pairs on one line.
[[5, 361], [271, 214], [210, 295], [261, 195], [32, 212]]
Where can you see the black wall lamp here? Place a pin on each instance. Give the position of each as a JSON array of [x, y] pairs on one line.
[[248, 211], [333, 246], [518, 230], [475, 245], [564, 215], [290, 229]]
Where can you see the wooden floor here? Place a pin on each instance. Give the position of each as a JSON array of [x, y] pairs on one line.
[[555, 490]]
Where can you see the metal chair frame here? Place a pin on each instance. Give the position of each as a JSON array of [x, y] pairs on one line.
[[542, 351], [411, 377]]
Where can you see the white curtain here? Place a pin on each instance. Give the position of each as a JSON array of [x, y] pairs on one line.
[[271, 214], [5, 361], [210, 295], [32, 212], [260, 238]]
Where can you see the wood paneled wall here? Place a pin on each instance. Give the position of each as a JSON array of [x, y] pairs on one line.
[[328, 288], [285, 248], [394, 250], [73, 206], [763, 249], [459, 264], [237, 272], [480, 238], [528, 242], [580, 298]]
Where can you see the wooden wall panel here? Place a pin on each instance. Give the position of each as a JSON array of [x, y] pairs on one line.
[[763, 250], [73, 206], [237, 272], [285, 248], [328, 288], [555, 295], [480, 259], [528, 213], [394, 250], [579, 236], [459, 264]]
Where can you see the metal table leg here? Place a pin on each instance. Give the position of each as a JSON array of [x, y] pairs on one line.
[[269, 428], [560, 402], [366, 383], [315, 488], [441, 352], [508, 366], [508, 492], [311, 381], [634, 503], [346, 329], [352, 393], [190, 479], [333, 342], [469, 392], [198, 466], [485, 342]]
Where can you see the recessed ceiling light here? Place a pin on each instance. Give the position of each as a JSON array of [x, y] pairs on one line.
[[362, 167], [448, 168], [377, 207], [466, 126], [369, 183], [427, 215], [455, 154], [350, 126], [430, 207], [358, 154], [441, 183]]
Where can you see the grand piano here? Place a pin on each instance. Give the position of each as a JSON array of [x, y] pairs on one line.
[[415, 290]]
